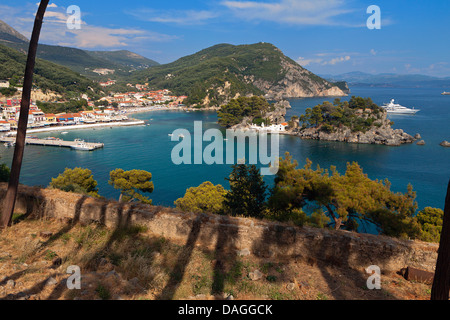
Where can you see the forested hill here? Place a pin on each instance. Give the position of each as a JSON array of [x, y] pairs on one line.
[[215, 75], [81, 61], [48, 75]]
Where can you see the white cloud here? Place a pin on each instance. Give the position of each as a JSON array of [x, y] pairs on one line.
[[321, 61], [182, 17], [295, 12], [55, 31]]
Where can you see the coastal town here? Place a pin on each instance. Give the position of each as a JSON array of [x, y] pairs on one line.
[[107, 110]]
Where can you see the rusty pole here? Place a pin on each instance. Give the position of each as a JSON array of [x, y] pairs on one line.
[[11, 194], [441, 283]]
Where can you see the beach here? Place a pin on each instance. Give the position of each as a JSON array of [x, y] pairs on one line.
[[85, 126]]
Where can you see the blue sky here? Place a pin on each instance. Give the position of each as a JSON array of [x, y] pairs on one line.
[[325, 36]]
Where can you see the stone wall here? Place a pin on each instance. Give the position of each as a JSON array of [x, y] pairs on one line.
[[237, 236]]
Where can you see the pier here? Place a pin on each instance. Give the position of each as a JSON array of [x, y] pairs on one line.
[[76, 144]]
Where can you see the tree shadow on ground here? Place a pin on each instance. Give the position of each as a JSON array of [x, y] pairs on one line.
[[225, 253], [323, 253]]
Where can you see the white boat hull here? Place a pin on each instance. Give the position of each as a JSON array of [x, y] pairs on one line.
[[82, 148], [394, 108], [402, 112]]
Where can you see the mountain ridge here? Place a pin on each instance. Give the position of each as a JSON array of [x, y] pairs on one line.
[[78, 60], [215, 75], [390, 79]]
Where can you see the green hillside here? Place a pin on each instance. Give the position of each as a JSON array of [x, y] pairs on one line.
[[80, 61], [48, 75], [219, 73]]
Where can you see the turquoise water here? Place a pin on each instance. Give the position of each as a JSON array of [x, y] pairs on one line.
[[149, 148]]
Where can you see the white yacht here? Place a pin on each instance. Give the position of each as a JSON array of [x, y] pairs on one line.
[[395, 108], [445, 93]]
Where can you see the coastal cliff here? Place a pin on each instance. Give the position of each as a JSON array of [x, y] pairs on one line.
[[298, 83]]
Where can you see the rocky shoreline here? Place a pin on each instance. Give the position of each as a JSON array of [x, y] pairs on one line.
[[380, 136], [383, 134]]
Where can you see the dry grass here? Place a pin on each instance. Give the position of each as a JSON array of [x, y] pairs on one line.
[[131, 263]]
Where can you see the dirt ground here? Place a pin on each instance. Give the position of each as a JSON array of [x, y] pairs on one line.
[[131, 264]]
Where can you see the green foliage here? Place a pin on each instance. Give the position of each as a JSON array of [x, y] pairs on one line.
[[248, 192], [76, 180], [204, 198], [345, 199], [48, 76], [319, 219], [103, 292], [430, 221], [4, 173], [358, 114], [71, 106], [8, 92], [237, 109], [131, 184]]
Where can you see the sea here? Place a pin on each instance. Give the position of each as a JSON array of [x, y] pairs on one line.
[[150, 147]]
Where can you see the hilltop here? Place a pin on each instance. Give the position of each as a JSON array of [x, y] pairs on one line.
[[214, 76], [9, 34]]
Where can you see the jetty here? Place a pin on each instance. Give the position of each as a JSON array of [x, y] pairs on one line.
[[54, 142]]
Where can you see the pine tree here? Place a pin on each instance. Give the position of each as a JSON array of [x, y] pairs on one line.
[[247, 192]]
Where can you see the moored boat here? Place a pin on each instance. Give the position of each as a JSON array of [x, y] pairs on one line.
[[395, 108]]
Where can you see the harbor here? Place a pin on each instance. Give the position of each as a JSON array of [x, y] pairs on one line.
[[77, 144]]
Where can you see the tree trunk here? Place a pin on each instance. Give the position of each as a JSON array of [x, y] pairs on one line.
[[11, 194], [441, 282], [337, 221]]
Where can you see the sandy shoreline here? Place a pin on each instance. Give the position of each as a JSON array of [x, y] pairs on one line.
[[85, 126]]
